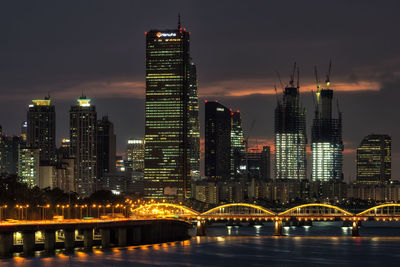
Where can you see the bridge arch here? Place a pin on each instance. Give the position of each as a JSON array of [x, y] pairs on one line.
[[374, 210], [260, 210], [164, 209], [317, 207]]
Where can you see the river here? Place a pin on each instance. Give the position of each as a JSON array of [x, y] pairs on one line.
[[321, 244]]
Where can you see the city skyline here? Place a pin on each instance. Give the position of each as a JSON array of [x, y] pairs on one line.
[[368, 107]]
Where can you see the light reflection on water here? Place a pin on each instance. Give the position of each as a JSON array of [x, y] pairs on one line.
[[244, 245]]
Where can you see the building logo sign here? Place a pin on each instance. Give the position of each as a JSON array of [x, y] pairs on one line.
[[164, 34]]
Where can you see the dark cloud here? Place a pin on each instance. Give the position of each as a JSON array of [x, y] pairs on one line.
[[66, 47]]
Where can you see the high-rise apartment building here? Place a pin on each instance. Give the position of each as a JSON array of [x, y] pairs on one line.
[[326, 138], [217, 141], [41, 131], [374, 159], [106, 147], [168, 126], [290, 136], [83, 142], [28, 165]]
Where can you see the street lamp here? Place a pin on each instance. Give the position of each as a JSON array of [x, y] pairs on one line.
[[2, 212]]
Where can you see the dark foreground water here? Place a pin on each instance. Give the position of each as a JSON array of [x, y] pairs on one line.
[[321, 244]]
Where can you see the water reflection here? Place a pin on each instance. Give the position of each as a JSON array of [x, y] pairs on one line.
[[244, 245]]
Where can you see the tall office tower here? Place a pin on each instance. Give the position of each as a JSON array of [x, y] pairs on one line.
[[374, 159], [238, 162], [41, 131], [217, 141], [106, 147], [290, 135], [168, 105], [326, 138], [193, 125], [83, 141], [265, 168], [134, 155]]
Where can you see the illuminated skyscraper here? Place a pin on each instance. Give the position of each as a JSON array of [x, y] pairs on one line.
[[374, 159], [327, 144], [41, 131], [193, 125], [83, 142], [290, 136], [135, 155], [218, 122], [170, 133], [238, 163]]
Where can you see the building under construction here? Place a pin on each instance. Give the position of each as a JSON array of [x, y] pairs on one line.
[[326, 138], [290, 134]]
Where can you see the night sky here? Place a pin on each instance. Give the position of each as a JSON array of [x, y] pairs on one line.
[[98, 47]]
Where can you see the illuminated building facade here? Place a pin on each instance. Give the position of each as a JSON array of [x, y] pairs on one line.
[[134, 155], [169, 105], [106, 146], [193, 125], [83, 142], [28, 165], [41, 131], [290, 136], [217, 141], [238, 163], [327, 144], [374, 159]]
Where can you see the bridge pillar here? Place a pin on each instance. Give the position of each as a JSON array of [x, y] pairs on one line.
[[105, 237], [136, 235], [6, 243], [278, 228], [49, 240], [28, 239], [69, 241], [88, 238], [122, 238], [355, 229], [201, 228]]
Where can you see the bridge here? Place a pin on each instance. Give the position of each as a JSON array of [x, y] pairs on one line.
[[300, 215], [163, 222], [51, 234]]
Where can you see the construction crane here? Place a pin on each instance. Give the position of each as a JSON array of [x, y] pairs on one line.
[[298, 77], [276, 94], [292, 75], [328, 76], [317, 81], [280, 80]]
